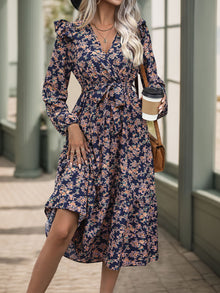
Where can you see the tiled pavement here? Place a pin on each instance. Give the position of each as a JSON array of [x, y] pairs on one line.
[[22, 235]]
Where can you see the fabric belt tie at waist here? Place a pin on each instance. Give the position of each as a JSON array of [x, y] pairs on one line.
[[116, 93]]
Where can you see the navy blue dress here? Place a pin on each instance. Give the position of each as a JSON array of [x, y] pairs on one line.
[[114, 193]]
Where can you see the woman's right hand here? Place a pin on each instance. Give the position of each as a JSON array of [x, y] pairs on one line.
[[77, 144]]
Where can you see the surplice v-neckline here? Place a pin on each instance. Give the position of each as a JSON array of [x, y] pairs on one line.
[[98, 42]]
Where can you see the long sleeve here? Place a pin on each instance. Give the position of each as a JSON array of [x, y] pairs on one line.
[[150, 64], [56, 83]]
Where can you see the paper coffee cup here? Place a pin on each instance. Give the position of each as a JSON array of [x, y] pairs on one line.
[[150, 102]]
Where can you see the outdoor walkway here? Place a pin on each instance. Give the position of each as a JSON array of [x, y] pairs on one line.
[[22, 236]]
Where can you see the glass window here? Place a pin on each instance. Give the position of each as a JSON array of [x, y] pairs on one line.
[[173, 70], [158, 49], [167, 55], [172, 147], [157, 13], [174, 7], [217, 147]]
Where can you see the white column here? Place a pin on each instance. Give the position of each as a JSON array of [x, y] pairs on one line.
[[3, 60], [197, 107], [29, 87]]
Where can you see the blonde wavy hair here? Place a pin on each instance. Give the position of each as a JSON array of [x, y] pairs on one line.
[[126, 17]]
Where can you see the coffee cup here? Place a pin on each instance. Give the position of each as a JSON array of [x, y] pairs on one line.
[[150, 102]]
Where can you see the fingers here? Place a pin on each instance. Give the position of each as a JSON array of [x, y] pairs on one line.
[[72, 152], [160, 108], [84, 154], [80, 152], [68, 153], [162, 104], [86, 146]]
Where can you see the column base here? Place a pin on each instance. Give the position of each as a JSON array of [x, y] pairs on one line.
[[21, 173]]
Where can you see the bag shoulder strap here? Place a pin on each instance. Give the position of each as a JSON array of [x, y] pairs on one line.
[[144, 76]]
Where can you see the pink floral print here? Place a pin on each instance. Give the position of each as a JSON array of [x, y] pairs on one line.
[[115, 193]]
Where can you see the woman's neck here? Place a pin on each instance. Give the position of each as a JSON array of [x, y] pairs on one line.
[[104, 15]]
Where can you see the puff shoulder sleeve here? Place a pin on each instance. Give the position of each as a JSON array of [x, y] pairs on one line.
[[56, 81], [150, 64]]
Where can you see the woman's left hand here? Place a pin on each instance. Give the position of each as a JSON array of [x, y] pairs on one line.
[[162, 104]]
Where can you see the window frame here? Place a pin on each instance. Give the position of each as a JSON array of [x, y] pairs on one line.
[[170, 167]]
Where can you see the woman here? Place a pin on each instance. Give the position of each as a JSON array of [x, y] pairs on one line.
[[104, 206]]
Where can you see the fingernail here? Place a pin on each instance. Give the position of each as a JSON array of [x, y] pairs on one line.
[[79, 166], [86, 162], [70, 164]]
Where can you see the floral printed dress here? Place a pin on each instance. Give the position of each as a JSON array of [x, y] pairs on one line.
[[114, 193]]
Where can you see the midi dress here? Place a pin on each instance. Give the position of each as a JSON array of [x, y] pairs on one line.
[[114, 193]]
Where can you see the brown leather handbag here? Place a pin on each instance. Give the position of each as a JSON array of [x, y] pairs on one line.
[[158, 149]]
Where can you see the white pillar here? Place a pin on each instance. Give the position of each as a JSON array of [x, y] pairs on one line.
[[3, 60], [29, 87], [197, 107]]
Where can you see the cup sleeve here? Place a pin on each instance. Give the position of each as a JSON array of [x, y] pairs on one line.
[[150, 65], [55, 87]]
